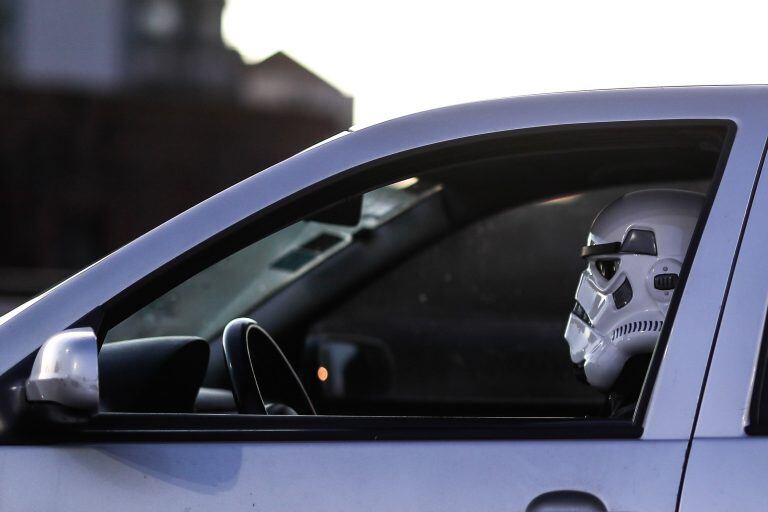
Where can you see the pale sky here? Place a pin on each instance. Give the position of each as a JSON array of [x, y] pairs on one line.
[[398, 57]]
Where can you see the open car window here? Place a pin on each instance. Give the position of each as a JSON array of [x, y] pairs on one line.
[[235, 285], [472, 325], [451, 293]]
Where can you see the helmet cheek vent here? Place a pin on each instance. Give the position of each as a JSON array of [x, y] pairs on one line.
[[623, 294]]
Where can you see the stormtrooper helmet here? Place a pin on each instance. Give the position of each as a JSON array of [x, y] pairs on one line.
[[634, 252]]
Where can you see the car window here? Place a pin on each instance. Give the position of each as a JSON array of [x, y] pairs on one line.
[[473, 324], [204, 304], [452, 293]]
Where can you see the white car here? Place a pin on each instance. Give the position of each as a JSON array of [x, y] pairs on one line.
[[409, 284]]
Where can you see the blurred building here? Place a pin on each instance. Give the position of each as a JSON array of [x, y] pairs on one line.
[[280, 83], [119, 114], [171, 47], [6, 39], [109, 45]]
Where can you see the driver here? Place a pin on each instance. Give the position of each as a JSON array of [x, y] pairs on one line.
[[634, 252]]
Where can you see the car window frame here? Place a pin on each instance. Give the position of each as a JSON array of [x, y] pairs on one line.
[[734, 400], [195, 426]]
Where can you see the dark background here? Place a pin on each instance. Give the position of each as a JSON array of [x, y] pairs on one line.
[[115, 117]]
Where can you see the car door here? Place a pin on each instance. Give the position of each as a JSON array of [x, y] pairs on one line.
[[183, 462], [727, 462]]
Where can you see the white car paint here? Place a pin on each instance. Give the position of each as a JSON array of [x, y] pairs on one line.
[[632, 474], [727, 467]]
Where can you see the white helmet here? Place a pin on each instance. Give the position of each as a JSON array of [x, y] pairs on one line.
[[634, 252]]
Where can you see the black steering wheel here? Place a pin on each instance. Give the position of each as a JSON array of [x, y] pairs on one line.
[[263, 381]]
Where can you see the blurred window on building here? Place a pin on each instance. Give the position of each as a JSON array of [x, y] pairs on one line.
[[6, 39], [176, 46], [159, 19], [71, 44]]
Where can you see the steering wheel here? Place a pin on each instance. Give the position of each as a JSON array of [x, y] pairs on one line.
[[263, 381], [244, 386]]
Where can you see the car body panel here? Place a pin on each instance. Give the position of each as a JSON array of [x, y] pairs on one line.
[[727, 467], [331, 476]]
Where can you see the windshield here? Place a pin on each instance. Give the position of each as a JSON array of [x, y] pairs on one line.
[[203, 304]]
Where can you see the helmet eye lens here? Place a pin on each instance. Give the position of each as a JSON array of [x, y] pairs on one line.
[[607, 268]]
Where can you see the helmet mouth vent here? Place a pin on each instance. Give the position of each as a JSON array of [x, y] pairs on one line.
[[640, 326]]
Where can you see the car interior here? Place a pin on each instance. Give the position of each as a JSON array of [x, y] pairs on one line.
[[439, 286]]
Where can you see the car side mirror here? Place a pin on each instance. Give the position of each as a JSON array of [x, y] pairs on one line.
[[66, 372]]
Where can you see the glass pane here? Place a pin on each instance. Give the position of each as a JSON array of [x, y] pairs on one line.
[[204, 304]]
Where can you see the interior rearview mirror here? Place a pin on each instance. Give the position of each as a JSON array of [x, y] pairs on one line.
[[66, 371]]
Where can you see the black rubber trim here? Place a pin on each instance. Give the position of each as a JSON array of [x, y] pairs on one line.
[[693, 247], [137, 427], [719, 323], [600, 249], [758, 405], [637, 241], [755, 429]]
